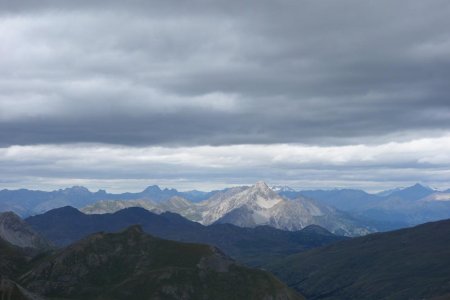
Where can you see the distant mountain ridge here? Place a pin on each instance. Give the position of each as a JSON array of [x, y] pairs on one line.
[[253, 246], [249, 207], [387, 210], [415, 192], [30, 202]]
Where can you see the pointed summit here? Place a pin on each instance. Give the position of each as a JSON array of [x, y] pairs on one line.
[[157, 194], [258, 197], [261, 186], [414, 192], [66, 211], [420, 187], [153, 189], [262, 191]]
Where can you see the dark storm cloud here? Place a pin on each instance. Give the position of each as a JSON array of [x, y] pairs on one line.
[[201, 72]]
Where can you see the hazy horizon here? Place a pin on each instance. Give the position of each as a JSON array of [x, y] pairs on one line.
[[218, 187]]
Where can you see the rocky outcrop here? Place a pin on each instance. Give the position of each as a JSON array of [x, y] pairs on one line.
[[17, 232]]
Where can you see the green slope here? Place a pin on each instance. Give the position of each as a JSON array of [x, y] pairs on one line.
[[134, 265]]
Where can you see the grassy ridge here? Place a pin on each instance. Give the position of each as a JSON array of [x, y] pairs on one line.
[[134, 265]]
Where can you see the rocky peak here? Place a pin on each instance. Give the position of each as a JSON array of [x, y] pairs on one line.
[[101, 192], [77, 189], [152, 189], [15, 231], [261, 185], [261, 192]]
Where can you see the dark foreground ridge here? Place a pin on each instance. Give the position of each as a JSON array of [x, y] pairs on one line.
[[411, 263], [134, 265]]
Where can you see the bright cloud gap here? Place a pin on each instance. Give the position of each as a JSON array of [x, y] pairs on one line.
[[207, 167]]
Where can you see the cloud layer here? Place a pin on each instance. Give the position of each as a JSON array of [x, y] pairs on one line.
[[285, 81], [208, 167], [164, 73]]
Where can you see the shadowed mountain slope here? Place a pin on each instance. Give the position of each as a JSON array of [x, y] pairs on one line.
[[411, 263], [134, 265], [10, 290], [254, 246], [12, 259]]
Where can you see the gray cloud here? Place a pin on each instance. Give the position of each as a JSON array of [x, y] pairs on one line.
[[148, 84], [169, 73]]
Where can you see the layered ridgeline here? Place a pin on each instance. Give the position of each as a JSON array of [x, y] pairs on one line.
[[253, 246], [26, 202], [334, 209], [411, 263], [249, 207], [134, 265], [388, 210]]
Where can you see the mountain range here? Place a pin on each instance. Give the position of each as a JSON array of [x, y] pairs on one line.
[[98, 259], [249, 207], [342, 211], [26, 202], [252, 246], [387, 210]]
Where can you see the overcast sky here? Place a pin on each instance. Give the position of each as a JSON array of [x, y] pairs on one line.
[[207, 94]]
